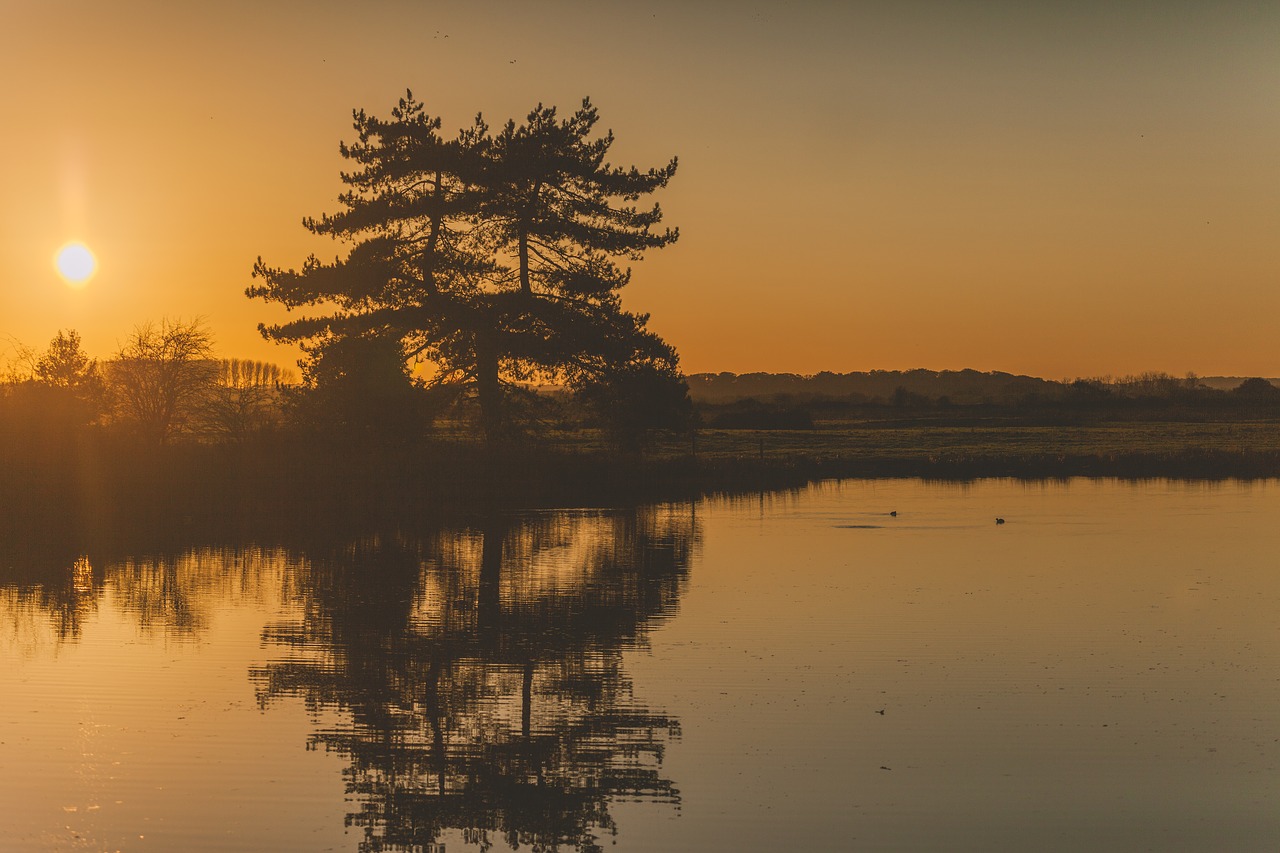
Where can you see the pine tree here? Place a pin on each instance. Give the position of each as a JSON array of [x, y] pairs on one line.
[[561, 216], [495, 257]]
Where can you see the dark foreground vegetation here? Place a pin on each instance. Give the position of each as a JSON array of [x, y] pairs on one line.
[[165, 438], [163, 426], [165, 429]]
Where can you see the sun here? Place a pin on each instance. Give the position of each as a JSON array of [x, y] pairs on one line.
[[76, 263]]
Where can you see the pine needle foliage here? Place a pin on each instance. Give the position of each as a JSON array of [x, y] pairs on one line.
[[497, 257]]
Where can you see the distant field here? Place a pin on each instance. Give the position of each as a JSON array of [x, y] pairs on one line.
[[712, 459], [1013, 441]]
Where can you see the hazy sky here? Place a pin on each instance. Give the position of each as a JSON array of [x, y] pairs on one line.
[[1061, 189]]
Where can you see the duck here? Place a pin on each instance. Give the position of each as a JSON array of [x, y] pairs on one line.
[[999, 520]]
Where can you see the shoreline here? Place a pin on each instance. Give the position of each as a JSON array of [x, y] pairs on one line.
[[282, 476], [234, 496]]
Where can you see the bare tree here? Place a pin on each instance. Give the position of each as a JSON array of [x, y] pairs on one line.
[[19, 366], [245, 398], [162, 375]]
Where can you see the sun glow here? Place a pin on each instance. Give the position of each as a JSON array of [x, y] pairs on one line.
[[76, 263]]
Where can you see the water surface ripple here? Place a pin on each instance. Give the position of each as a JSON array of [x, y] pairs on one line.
[[871, 665]]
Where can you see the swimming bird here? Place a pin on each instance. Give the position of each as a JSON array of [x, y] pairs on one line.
[[999, 521], [894, 513]]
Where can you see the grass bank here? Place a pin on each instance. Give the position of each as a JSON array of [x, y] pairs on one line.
[[1175, 449], [93, 483]]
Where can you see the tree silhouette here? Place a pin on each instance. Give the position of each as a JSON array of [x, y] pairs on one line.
[[632, 400], [1256, 387], [46, 419], [161, 377], [245, 399], [360, 387], [66, 388], [495, 257], [65, 364]]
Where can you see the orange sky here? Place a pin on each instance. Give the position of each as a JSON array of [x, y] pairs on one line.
[[1072, 189]]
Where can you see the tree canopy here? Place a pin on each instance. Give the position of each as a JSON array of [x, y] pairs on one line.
[[160, 377], [65, 364], [496, 256]]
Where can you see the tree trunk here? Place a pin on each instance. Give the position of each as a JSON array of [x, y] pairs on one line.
[[489, 390], [526, 286]]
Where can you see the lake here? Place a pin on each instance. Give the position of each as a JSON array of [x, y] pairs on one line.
[[786, 671]]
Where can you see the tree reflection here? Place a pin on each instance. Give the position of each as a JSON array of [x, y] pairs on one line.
[[170, 593], [64, 599], [483, 674]]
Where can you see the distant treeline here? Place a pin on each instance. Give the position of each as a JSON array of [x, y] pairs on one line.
[[960, 386], [165, 383], [791, 401]]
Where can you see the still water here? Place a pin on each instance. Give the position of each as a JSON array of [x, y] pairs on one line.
[[782, 672]]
